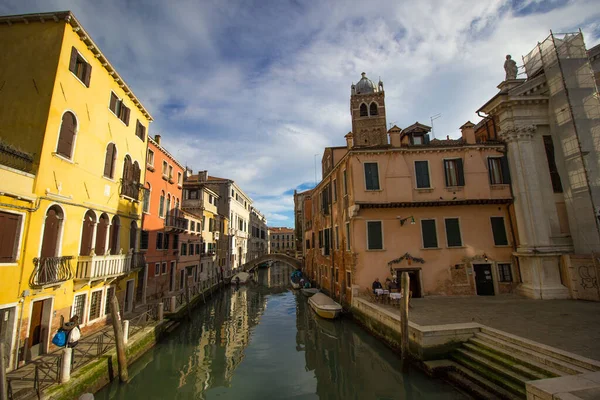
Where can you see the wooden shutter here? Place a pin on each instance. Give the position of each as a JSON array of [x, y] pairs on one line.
[[114, 236], [422, 172], [505, 170], [371, 176], [446, 162], [113, 102], [453, 232], [429, 233], [87, 75], [9, 235], [499, 231], [73, 60], [100, 247], [67, 135], [109, 160], [87, 234], [125, 114], [51, 231], [490, 168], [460, 171], [375, 237]]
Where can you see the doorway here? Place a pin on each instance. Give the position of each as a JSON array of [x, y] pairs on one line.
[[7, 326], [39, 327], [129, 290], [484, 282], [415, 281]]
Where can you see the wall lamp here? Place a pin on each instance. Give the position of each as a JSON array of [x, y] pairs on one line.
[[404, 220]]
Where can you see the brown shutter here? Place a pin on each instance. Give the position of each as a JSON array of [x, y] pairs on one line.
[[73, 61], [113, 102], [87, 75], [86, 235], [9, 234], [101, 235], [50, 238], [67, 135], [136, 173], [125, 115], [108, 161]]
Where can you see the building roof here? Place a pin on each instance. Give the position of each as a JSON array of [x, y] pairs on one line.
[[85, 37], [365, 85], [281, 229]]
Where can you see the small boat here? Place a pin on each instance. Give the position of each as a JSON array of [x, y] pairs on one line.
[[310, 291], [324, 306], [243, 278]]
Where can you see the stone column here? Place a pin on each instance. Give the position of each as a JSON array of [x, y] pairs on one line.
[[65, 366]]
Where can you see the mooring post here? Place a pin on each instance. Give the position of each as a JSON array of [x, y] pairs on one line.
[[173, 303], [161, 311], [3, 382], [118, 329], [404, 318], [125, 331], [65, 365]]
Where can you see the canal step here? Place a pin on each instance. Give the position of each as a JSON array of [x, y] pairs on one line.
[[549, 360], [584, 364], [469, 381], [501, 376]]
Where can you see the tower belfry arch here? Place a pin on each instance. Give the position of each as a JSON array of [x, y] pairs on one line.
[[367, 107]]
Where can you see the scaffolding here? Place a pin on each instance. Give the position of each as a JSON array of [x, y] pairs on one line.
[[574, 111]]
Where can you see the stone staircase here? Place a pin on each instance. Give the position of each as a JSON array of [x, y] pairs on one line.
[[495, 365]]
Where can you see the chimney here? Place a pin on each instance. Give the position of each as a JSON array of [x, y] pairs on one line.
[[468, 132], [395, 134], [157, 139], [188, 173], [349, 140], [202, 176]]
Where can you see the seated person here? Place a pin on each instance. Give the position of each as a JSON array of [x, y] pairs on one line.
[[376, 285], [388, 283]]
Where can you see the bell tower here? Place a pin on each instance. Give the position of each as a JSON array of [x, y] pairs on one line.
[[367, 107]]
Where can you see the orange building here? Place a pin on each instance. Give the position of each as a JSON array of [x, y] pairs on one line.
[[161, 220]]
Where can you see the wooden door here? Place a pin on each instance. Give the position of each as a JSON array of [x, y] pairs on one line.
[[100, 247], [87, 234], [483, 279], [35, 329], [51, 232], [133, 236]]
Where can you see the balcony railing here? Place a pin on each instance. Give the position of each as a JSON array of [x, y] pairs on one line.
[[14, 158], [131, 190], [50, 271], [95, 267], [138, 260], [174, 222]]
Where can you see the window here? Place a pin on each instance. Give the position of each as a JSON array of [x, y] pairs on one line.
[[429, 234], [159, 240], [161, 205], [175, 242], [344, 182], [140, 130], [498, 171], [348, 236], [150, 158], [156, 269], [110, 160], [374, 235], [499, 231], [120, 110], [170, 171], [373, 109], [371, 176], [184, 249], [505, 273], [179, 178], [110, 292], [453, 170], [320, 239], [422, 174], [95, 305], [417, 140], [164, 268], [165, 168], [144, 240], [327, 240], [166, 243], [197, 248], [192, 249], [453, 232], [10, 229], [79, 67], [131, 179], [79, 306], [364, 111], [555, 178], [66, 137], [348, 279], [146, 200], [334, 190], [337, 238]]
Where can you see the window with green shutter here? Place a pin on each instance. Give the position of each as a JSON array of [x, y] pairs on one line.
[[453, 232], [429, 233], [499, 231], [422, 174], [374, 235], [371, 176], [453, 171]]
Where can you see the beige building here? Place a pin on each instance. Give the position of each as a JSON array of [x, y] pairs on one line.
[[437, 209], [300, 215], [282, 241], [258, 241]]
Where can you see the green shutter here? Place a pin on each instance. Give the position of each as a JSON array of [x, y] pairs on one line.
[[453, 232], [460, 171], [374, 235], [422, 173], [371, 176], [505, 170], [429, 233], [499, 231]]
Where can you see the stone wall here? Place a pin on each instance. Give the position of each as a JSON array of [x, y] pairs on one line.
[[580, 274]]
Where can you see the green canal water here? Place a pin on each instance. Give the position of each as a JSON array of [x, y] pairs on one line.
[[263, 341]]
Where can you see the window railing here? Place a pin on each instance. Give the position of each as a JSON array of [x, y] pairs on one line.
[[131, 190], [51, 271], [138, 260], [16, 159], [175, 222]]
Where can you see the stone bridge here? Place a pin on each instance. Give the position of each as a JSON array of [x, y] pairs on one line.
[[250, 265]]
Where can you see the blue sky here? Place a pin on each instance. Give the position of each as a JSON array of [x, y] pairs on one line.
[[252, 90]]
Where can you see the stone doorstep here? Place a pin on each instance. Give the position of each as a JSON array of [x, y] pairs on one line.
[[546, 389]]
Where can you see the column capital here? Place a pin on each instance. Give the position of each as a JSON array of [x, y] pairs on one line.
[[518, 133]]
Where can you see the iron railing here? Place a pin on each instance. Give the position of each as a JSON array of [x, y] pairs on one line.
[[51, 270], [138, 260], [138, 323], [131, 190], [16, 159], [175, 222]]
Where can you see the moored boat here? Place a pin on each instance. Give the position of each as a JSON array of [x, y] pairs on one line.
[[295, 285], [310, 291], [324, 306], [243, 278]]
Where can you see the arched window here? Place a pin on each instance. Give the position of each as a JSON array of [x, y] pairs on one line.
[[52, 228], [146, 202], [177, 207], [66, 137], [373, 109], [131, 178], [161, 204], [115, 227], [101, 232], [87, 233], [364, 112], [110, 160], [168, 204]]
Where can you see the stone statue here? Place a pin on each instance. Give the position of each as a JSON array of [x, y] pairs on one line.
[[510, 66]]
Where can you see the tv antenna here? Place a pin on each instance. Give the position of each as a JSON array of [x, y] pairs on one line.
[[432, 118]]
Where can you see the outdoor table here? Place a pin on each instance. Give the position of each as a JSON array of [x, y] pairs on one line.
[[396, 297], [381, 293]]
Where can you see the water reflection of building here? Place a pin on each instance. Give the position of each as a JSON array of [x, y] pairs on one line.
[[276, 275]]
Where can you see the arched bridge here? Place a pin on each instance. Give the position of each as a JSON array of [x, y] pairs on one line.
[[250, 265]]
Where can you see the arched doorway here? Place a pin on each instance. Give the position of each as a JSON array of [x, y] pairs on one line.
[[101, 231], [115, 228]]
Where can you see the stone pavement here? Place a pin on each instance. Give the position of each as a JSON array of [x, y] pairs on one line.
[[570, 325]]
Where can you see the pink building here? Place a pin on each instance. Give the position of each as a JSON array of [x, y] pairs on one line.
[[438, 209]]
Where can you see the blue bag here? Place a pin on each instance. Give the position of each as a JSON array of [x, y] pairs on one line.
[[60, 339]]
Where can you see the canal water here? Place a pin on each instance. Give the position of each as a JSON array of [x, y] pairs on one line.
[[262, 341]]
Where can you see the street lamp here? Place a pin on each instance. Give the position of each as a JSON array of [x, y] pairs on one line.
[[404, 220]]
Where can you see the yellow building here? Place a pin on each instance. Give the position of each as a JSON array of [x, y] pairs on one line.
[[73, 137]]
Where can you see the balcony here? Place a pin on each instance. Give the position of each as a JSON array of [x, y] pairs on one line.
[[175, 223], [51, 271], [16, 159], [138, 260], [130, 190], [96, 268]]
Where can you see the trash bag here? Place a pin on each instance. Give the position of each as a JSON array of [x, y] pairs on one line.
[[60, 338]]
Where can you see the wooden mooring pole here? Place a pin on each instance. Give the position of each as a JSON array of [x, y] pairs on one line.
[[3, 382], [404, 318], [119, 340], [187, 300]]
